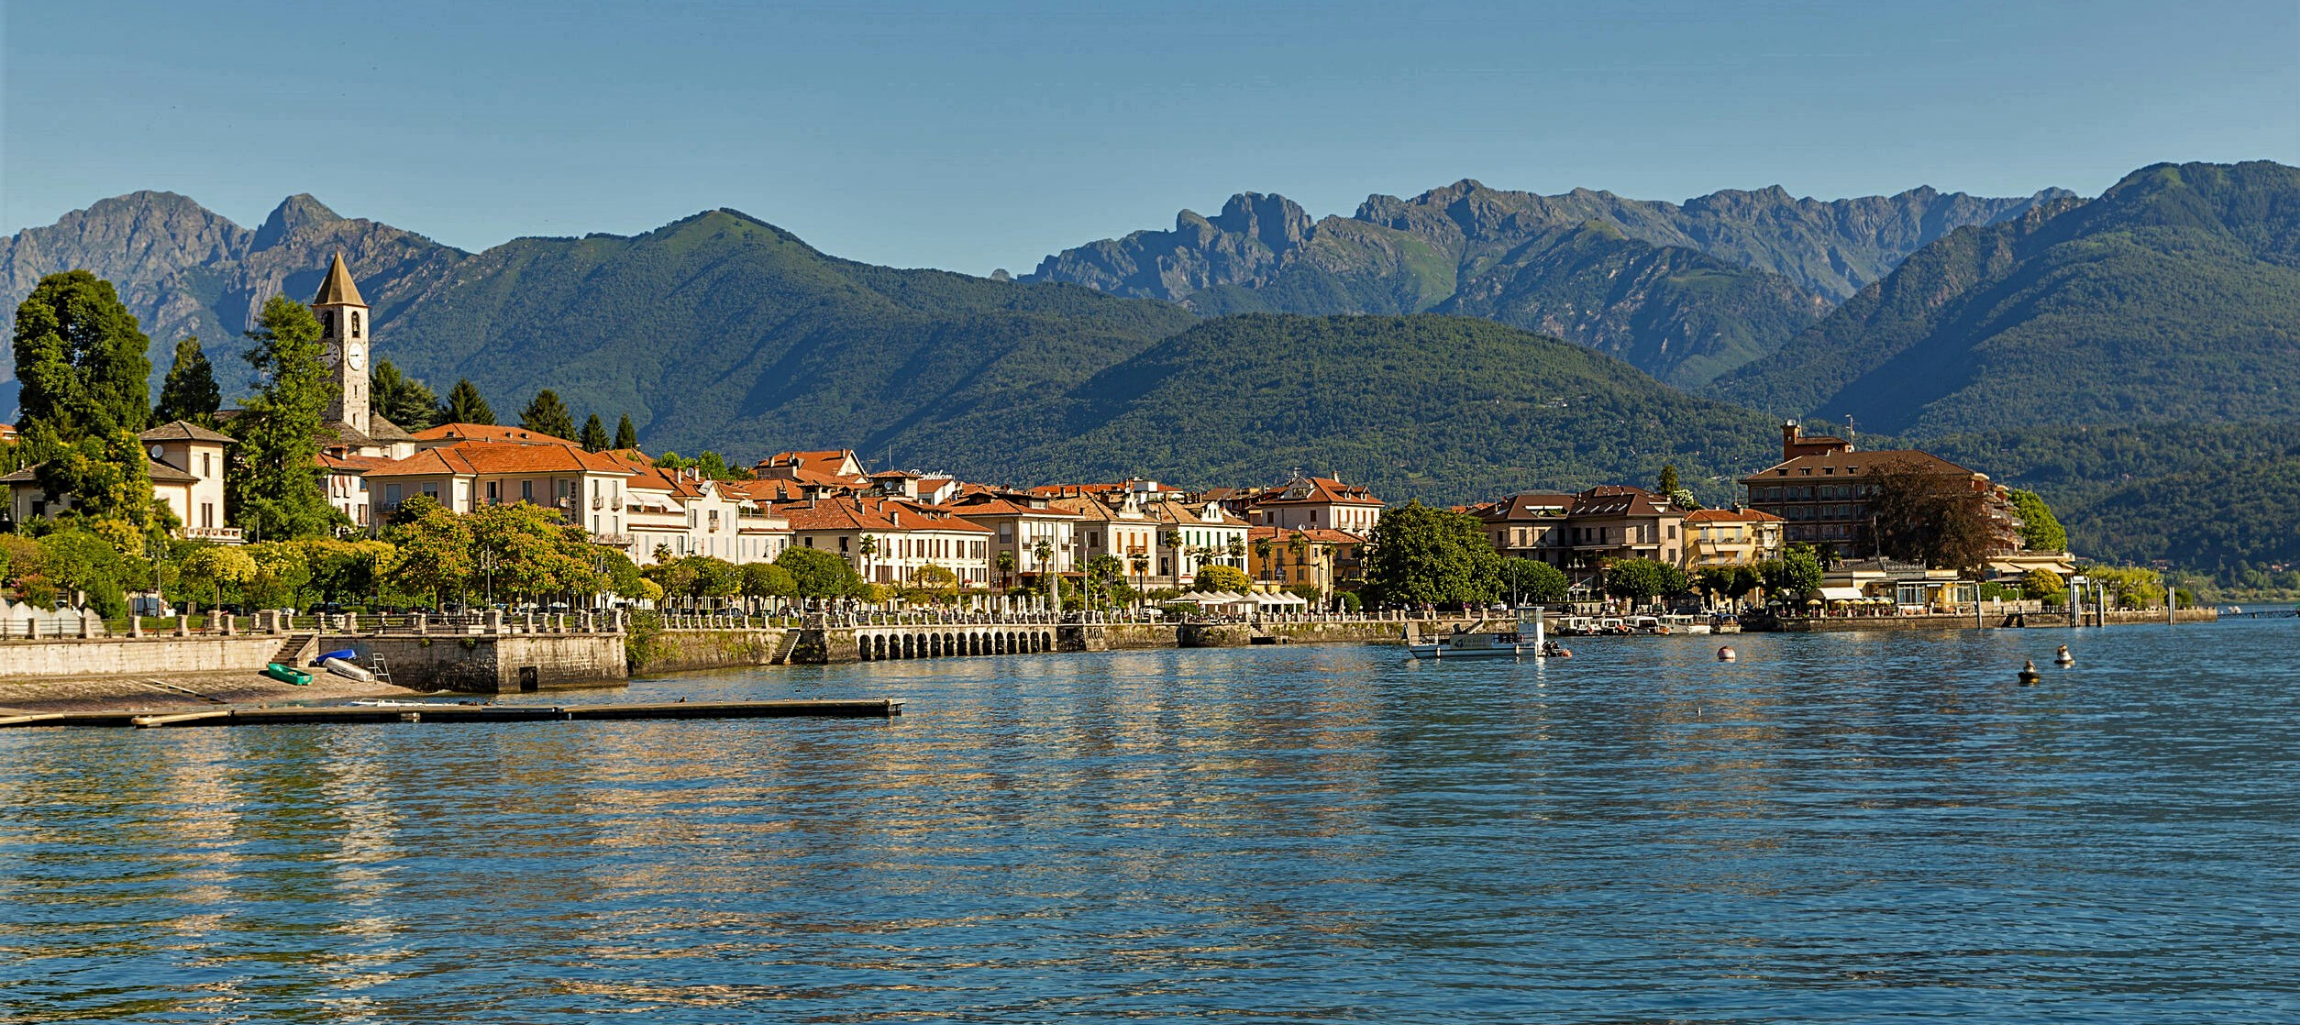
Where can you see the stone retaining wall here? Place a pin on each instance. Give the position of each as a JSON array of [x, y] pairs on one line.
[[134, 656], [486, 664]]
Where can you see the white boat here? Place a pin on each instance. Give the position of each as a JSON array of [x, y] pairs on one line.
[[1525, 640], [1685, 624], [1647, 625], [1727, 625], [347, 670]]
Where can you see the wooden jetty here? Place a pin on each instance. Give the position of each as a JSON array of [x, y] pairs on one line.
[[455, 712]]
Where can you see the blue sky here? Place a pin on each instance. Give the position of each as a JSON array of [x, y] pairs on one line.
[[981, 135]]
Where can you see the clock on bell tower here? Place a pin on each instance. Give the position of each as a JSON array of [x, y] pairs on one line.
[[343, 329]]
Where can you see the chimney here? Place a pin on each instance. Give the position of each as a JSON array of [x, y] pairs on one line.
[[1790, 432]]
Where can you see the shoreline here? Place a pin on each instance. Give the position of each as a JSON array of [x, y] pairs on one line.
[[178, 692]]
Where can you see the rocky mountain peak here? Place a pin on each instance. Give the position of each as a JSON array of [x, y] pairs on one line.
[[294, 213], [1276, 221]]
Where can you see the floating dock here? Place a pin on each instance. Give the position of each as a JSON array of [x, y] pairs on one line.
[[452, 712]]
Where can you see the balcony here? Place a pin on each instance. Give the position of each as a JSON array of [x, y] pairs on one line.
[[219, 535], [613, 540]]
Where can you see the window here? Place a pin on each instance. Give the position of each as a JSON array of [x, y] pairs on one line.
[[391, 494], [431, 491], [526, 491], [355, 323], [206, 469], [494, 492]]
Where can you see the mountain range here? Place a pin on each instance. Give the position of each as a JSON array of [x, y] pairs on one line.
[[1259, 341], [2175, 296], [1684, 292]]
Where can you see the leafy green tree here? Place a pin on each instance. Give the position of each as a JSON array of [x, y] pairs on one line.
[[275, 490], [2040, 531], [1419, 555], [594, 435], [1532, 581], [189, 393], [1795, 576], [819, 574], [206, 571], [1218, 577], [1667, 484], [283, 568], [1745, 580], [530, 553], [626, 436], [547, 415], [80, 359], [2042, 584], [465, 406], [1639, 580], [83, 395], [767, 580], [715, 578], [401, 399], [344, 571], [434, 547], [83, 562]]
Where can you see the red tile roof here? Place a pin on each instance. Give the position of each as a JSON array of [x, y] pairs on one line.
[[1322, 491], [487, 432], [1730, 516], [483, 457]]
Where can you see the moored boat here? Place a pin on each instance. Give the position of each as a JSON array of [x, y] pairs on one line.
[[287, 674], [1525, 639]]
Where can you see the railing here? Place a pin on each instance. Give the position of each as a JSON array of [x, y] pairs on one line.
[[223, 535]]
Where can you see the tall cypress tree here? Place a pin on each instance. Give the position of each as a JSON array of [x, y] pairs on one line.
[[401, 399], [190, 392], [273, 488], [547, 415], [625, 436], [594, 435], [464, 406], [80, 358]]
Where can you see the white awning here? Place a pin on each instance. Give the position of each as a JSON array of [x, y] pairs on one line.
[[1841, 593]]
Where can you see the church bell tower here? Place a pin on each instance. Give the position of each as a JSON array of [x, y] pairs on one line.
[[343, 330]]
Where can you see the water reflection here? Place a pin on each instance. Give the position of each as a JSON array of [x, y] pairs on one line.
[[1875, 826]]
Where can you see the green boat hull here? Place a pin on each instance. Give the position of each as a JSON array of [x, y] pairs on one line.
[[288, 674]]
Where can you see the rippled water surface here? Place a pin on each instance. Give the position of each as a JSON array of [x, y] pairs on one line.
[[1850, 827]]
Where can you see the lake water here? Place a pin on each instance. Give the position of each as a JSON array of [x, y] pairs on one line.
[[1877, 827]]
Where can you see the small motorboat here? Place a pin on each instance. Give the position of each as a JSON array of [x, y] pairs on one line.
[[1525, 640], [345, 654], [287, 675], [347, 670], [1683, 624]]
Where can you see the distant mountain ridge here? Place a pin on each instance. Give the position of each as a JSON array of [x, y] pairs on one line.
[[2175, 296], [1683, 292], [185, 270]]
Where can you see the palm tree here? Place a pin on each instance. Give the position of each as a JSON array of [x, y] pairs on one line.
[[1237, 547], [1005, 563], [1043, 549], [1264, 547], [868, 547], [1140, 563]]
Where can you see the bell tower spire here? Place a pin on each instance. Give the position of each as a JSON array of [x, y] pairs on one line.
[[343, 326]]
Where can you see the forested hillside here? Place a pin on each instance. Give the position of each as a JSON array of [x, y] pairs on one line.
[[1446, 409], [2173, 297]]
